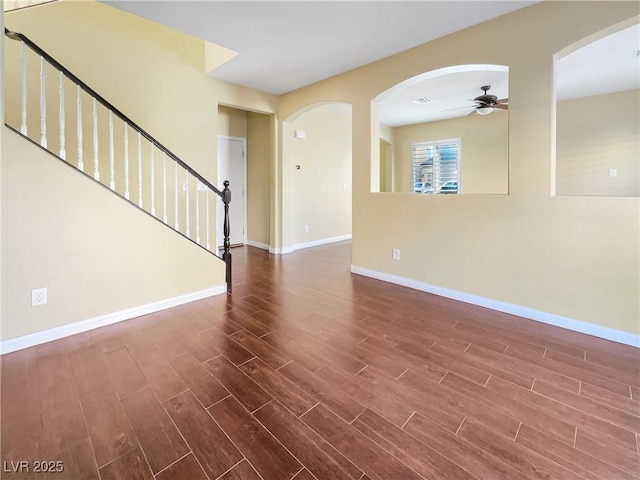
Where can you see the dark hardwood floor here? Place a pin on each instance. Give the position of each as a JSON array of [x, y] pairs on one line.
[[309, 372]]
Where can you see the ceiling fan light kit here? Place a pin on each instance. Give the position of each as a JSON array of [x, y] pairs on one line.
[[484, 109], [485, 104]]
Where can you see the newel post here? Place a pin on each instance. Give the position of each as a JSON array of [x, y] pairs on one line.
[[226, 256]]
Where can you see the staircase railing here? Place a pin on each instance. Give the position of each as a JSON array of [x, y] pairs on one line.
[[138, 173]]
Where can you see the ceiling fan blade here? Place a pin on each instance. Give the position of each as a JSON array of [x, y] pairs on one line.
[[473, 112], [501, 106], [503, 100]]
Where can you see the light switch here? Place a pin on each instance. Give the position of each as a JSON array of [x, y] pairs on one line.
[[613, 172]]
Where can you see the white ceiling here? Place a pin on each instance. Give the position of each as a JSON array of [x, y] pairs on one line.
[[285, 45], [451, 90], [608, 65]]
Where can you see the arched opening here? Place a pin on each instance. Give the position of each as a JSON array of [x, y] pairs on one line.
[[317, 163], [448, 130], [597, 87]]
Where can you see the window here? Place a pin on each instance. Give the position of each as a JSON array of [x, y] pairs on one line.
[[436, 166]]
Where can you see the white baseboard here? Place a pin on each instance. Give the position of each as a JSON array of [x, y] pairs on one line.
[[280, 250], [526, 312], [263, 246], [299, 246], [322, 241], [55, 333]]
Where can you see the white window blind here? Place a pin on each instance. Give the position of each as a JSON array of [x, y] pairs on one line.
[[436, 166]]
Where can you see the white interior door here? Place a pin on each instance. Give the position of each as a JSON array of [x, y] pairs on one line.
[[232, 167]]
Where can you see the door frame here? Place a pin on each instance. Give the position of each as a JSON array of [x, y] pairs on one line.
[[220, 241]]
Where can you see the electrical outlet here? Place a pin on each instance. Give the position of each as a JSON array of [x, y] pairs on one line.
[[38, 297], [395, 253], [306, 229]]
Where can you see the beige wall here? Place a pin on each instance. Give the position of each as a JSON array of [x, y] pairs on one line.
[[387, 133], [154, 75], [157, 62], [387, 158], [386, 166], [95, 253], [2, 130], [484, 157], [319, 197], [258, 177], [594, 135], [232, 122], [571, 256], [576, 257], [163, 166]]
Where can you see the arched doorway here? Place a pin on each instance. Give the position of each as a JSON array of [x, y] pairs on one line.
[[317, 167]]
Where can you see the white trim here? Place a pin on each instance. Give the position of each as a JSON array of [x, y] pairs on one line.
[[299, 246], [409, 82], [280, 250], [521, 311], [263, 246], [55, 333], [322, 241]]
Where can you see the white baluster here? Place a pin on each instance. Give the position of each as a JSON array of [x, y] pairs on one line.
[[175, 200], [112, 168], [153, 182], [206, 199], [79, 129], [96, 169], [63, 152], [197, 211], [164, 187], [126, 160], [140, 203], [23, 90], [43, 106], [188, 219]]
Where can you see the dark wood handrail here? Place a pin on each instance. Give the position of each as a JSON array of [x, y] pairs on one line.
[[225, 195], [21, 37]]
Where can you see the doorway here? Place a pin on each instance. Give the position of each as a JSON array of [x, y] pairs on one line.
[[232, 166]]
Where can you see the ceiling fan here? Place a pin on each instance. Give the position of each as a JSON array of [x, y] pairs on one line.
[[486, 103]]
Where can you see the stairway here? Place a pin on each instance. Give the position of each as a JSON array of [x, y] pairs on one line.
[[51, 107]]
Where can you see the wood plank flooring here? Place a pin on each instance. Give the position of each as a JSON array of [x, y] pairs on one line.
[[309, 372]]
